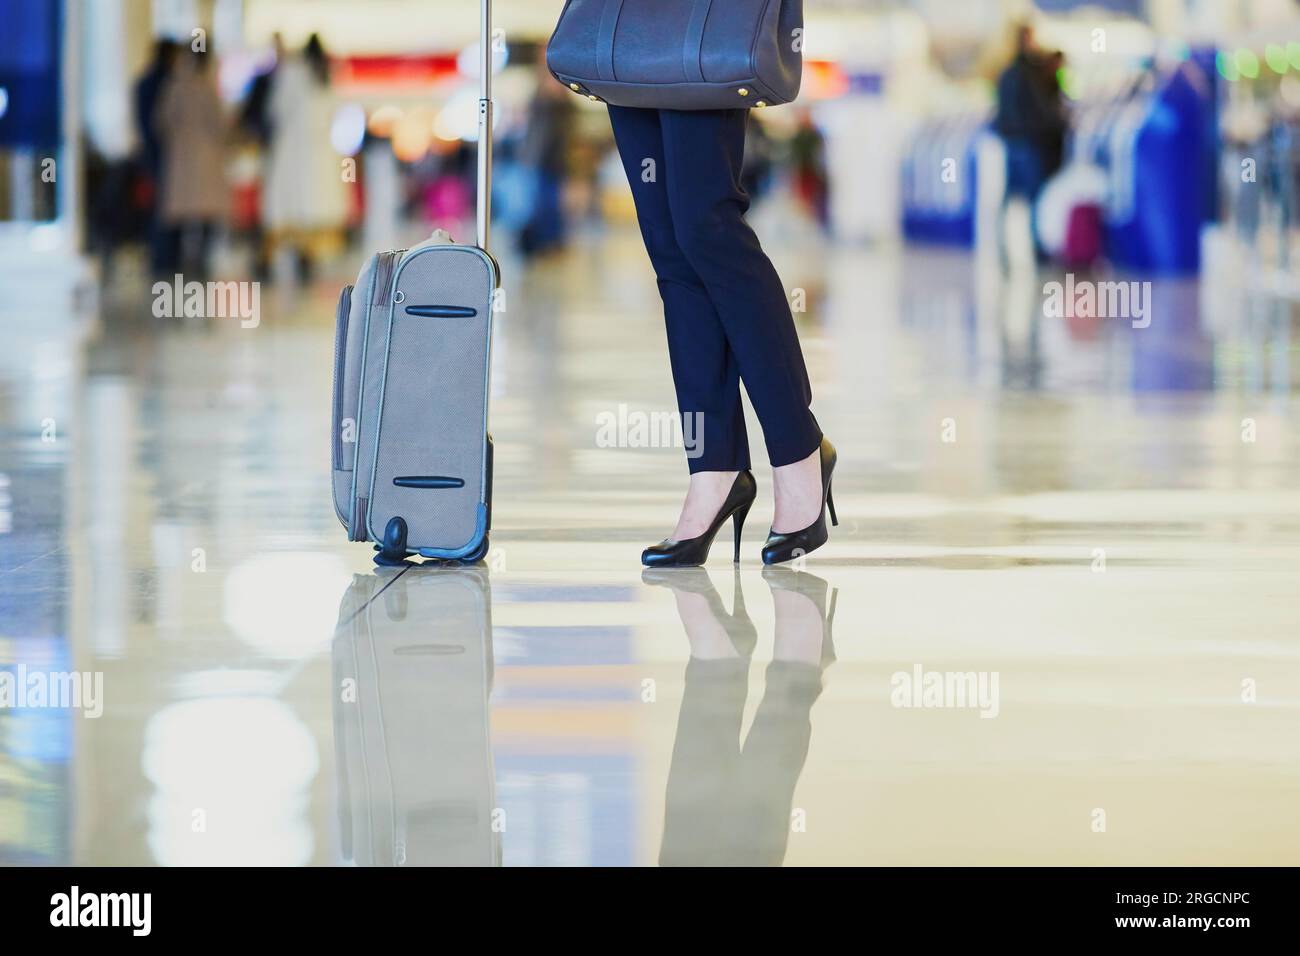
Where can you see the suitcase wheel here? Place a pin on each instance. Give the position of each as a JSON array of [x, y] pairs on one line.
[[393, 550]]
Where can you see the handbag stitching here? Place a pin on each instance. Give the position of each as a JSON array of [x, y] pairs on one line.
[[613, 37], [753, 46], [699, 49], [703, 31]]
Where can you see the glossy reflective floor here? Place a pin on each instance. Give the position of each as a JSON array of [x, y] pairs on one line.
[[1059, 621]]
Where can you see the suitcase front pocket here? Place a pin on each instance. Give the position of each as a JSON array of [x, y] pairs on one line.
[[343, 413], [344, 427]]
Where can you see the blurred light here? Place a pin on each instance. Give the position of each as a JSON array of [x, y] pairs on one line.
[[1293, 54], [348, 129], [823, 80], [227, 682], [1275, 57], [458, 119], [4, 101], [1247, 63], [280, 603], [412, 136], [247, 764], [383, 120], [1227, 66], [47, 237], [1068, 80], [467, 61]]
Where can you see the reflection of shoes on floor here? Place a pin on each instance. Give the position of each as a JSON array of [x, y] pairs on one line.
[[814, 589], [695, 580]]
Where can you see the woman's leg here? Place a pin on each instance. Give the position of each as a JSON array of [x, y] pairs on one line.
[[703, 150], [705, 372]]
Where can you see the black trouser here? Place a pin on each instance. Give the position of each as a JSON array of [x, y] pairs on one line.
[[727, 314]]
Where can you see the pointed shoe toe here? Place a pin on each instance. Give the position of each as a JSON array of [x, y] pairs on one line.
[[786, 547]]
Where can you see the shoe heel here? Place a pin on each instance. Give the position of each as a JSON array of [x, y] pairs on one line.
[[738, 520], [830, 505]]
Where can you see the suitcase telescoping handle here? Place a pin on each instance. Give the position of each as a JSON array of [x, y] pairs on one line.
[[484, 205]]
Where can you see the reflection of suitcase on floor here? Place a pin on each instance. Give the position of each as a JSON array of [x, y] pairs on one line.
[[412, 460], [412, 677]]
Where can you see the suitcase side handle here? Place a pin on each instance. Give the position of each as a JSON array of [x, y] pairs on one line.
[[442, 311], [428, 481]]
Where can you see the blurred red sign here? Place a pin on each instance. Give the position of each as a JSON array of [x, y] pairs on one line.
[[391, 71]]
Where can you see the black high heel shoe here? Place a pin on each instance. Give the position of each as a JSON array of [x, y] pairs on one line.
[[695, 551], [783, 547]]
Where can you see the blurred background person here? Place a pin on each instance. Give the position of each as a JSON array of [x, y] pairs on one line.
[[304, 198], [191, 126], [255, 123], [760, 164], [1058, 125], [254, 116], [148, 92], [543, 154], [808, 168], [1030, 120]]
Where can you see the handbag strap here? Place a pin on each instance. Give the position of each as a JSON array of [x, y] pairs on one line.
[[694, 41], [605, 39]]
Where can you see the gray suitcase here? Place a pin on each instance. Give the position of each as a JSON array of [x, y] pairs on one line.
[[412, 458], [412, 663]]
